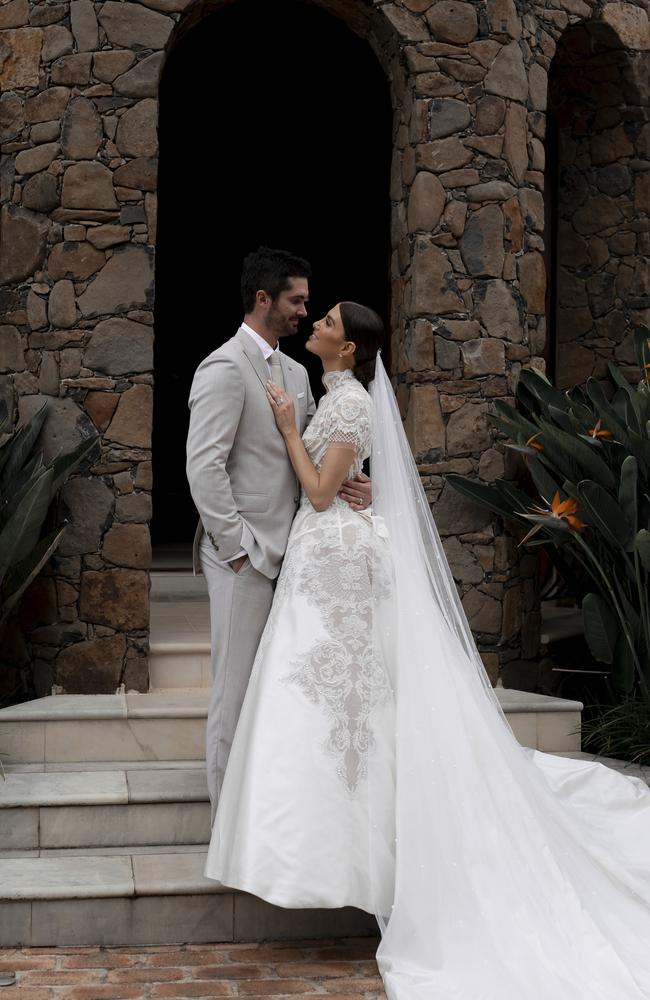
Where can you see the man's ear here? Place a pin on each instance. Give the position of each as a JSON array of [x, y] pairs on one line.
[[262, 298]]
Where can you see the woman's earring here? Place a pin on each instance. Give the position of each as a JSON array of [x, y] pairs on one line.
[[340, 355]]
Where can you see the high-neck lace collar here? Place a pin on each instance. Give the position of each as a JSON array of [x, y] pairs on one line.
[[331, 380]]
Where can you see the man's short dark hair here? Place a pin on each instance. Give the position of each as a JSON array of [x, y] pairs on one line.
[[271, 271]]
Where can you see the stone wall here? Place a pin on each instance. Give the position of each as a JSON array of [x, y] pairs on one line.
[[599, 99], [78, 215], [78, 121]]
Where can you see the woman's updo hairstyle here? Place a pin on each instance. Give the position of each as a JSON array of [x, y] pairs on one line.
[[365, 328]]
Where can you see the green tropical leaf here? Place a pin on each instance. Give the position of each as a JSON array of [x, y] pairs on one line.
[[518, 500], [22, 531], [27, 488], [537, 394], [618, 377], [21, 575], [575, 459], [623, 666], [628, 494], [543, 479], [511, 422], [63, 465], [580, 405], [486, 496], [20, 446], [619, 426], [20, 486], [635, 398], [601, 628], [642, 346], [565, 420], [642, 546], [602, 512]]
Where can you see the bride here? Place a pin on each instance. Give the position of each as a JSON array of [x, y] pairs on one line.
[[373, 766]]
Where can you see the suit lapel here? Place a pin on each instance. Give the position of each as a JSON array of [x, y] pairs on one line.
[[261, 368], [255, 356]]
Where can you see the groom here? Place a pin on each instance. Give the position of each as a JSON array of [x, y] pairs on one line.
[[242, 481]]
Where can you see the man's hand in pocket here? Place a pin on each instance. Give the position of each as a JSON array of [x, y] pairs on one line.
[[238, 563]]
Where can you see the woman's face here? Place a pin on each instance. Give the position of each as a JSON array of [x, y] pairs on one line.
[[328, 337]]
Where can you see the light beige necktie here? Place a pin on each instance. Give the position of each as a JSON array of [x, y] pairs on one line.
[[276, 369]]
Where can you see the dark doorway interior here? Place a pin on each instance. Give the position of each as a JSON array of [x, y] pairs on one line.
[[595, 114], [275, 128]]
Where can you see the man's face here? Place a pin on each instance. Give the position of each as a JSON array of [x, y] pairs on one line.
[[289, 308]]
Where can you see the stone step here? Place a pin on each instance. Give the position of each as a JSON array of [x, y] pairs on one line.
[[168, 725], [150, 895], [178, 585], [102, 727], [145, 898], [179, 665], [179, 647], [44, 811]]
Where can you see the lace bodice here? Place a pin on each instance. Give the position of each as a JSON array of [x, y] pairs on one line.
[[343, 417]]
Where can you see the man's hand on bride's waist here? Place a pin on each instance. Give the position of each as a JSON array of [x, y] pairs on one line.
[[357, 492]]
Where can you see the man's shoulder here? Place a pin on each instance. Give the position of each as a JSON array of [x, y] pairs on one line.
[[227, 353]]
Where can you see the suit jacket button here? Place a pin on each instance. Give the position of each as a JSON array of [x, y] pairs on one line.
[[296, 499]]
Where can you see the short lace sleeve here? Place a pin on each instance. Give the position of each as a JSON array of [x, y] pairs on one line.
[[350, 423]]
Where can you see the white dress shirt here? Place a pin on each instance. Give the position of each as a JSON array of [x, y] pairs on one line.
[[263, 345]]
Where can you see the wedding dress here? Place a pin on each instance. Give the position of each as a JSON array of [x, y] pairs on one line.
[[372, 765], [292, 825]]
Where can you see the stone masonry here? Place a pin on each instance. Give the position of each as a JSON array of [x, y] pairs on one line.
[[469, 82]]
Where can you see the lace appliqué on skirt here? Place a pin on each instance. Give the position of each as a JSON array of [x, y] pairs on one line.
[[342, 673]]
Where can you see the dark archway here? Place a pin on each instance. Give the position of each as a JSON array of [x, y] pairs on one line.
[[275, 127], [596, 143]]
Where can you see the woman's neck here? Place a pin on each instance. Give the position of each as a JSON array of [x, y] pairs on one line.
[[335, 366]]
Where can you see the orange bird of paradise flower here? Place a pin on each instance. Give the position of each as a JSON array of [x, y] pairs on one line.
[[598, 432], [532, 443], [561, 512]]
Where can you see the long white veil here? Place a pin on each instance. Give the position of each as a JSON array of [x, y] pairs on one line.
[[518, 875]]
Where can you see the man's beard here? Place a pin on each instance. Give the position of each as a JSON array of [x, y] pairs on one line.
[[278, 323]]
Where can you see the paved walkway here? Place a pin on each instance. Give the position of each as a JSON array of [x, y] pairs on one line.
[[337, 970]]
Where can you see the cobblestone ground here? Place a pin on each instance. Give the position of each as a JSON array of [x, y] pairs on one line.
[[337, 970]]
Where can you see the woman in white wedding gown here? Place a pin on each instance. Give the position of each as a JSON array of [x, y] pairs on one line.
[[297, 768], [372, 765]]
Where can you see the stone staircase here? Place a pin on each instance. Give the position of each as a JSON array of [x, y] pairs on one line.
[[104, 813]]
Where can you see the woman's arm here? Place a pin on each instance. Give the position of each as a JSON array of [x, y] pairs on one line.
[[320, 487]]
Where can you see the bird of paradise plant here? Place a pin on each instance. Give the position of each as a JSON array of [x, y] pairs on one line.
[[588, 455]]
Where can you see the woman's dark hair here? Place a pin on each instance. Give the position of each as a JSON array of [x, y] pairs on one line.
[[365, 328], [271, 271]]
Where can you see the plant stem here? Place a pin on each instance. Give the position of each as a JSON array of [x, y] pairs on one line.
[[619, 611], [643, 604]]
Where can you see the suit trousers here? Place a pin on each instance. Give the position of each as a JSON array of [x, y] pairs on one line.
[[239, 606]]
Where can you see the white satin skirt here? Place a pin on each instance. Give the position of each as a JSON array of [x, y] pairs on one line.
[[294, 825]]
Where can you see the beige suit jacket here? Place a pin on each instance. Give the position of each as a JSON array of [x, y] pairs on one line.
[[240, 476]]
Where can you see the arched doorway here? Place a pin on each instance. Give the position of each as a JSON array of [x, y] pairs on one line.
[[597, 140], [275, 128]]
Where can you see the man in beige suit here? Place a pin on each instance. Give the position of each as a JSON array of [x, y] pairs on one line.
[[242, 482]]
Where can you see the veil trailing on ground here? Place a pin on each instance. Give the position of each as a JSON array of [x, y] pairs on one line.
[[519, 875]]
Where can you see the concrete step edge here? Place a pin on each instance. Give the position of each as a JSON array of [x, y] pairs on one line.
[[161, 647], [117, 786], [193, 703], [104, 876]]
